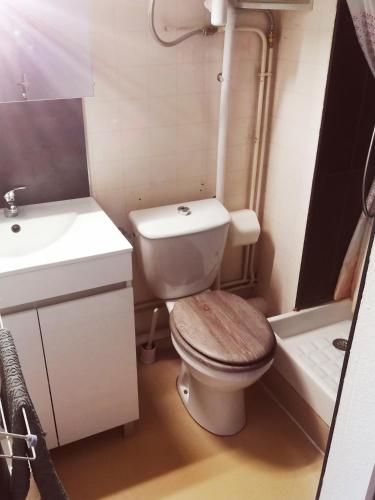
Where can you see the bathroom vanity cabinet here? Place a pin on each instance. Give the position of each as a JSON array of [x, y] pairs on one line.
[[68, 302], [78, 359], [26, 334]]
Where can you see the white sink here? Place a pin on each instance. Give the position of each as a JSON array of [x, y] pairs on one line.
[[59, 248], [31, 232]]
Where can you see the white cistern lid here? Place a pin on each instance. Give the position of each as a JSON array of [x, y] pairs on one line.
[[179, 220]]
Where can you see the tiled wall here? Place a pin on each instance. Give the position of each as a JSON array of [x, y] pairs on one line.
[[152, 126], [303, 59]]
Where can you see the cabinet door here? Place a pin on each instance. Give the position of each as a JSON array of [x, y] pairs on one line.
[[90, 353], [24, 327]]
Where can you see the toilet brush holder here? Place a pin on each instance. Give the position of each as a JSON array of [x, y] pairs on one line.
[[147, 353]]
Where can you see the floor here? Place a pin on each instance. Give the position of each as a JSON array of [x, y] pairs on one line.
[[170, 457]]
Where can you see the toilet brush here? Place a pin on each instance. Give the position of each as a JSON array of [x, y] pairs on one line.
[[148, 350]]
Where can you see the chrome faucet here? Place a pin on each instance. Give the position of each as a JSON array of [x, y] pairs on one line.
[[10, 198]]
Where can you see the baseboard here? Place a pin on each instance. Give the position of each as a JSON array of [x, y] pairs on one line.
[[297, 407]]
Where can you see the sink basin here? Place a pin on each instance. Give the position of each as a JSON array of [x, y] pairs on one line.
[[31, 232], [59, 248]]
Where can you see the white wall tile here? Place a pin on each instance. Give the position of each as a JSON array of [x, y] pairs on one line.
[[239, 158], [138, 197], [164, 193], [137, 171], [191, 137], [162, 80], [191, 165], [162, 111], [106, 147], [213, 49], [192, 51], [191, 108], [163, 140], [132, 48], [102, 116], [164, 169], [212, 106], [132, 82], [131, 15], [134, 113], [191, 14], [136, 142], [161, 55], [190, 78]]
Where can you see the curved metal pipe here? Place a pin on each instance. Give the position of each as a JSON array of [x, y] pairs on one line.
[[204, 31], [269, 14]]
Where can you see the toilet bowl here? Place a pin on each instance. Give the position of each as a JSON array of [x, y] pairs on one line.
[[224, 343], [212, 390]]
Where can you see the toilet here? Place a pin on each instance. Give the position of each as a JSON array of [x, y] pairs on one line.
[[225, 344]]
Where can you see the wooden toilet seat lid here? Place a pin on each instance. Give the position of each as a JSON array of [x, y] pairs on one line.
[[225, 328]]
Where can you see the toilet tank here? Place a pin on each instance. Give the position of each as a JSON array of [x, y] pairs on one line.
[[180, 247]]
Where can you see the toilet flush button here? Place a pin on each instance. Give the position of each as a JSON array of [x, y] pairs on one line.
[[183, 210]]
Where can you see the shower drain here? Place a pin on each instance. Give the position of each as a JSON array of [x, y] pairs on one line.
[[340, 344]]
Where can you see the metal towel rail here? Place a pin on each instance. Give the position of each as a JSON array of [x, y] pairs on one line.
[[30, 439]]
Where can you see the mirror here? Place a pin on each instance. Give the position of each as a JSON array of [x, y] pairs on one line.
[[44, 50]]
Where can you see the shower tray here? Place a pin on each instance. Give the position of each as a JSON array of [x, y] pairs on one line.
[[306, 355]]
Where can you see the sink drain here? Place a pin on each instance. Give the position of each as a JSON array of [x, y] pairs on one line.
[[16, 228], [340, 344]]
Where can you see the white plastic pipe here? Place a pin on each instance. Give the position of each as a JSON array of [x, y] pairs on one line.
[[219, 9], [259, 115], [259, 180], [225, 102], [261, 124], [259, 145]]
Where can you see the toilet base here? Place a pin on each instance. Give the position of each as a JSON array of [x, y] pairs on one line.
[[221, 412]]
